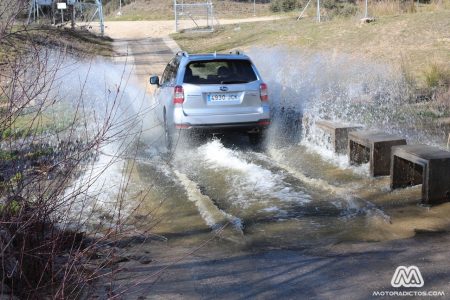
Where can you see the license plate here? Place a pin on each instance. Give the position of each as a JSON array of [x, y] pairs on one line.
[[223, 98]]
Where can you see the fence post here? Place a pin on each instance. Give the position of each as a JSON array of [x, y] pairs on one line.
[[176, 14]]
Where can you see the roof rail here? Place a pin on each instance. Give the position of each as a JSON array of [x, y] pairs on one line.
[[237, 52], [182, 53]]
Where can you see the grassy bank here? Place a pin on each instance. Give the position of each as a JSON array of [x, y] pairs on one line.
[[414, 42], [43, 255], [151, 10], [23, 40], [76, 42]]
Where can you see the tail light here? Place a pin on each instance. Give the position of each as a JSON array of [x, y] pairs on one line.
[[263, 92], [264, 122], [178, 95], [182, 126]]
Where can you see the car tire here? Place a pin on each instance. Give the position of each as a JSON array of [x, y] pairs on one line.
[[168, 134]]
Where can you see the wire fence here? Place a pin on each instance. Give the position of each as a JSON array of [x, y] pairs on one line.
[[194, 16], [82, 13]]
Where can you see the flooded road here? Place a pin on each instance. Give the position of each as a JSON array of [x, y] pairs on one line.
[[296, 193], [283, 198], [219, 213]]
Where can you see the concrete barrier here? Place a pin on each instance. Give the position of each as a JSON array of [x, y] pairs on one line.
[[338, 133], [422, 164], [373, 147]]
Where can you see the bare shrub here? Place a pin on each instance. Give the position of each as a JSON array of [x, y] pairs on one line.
[[283, 5], [44, 251]]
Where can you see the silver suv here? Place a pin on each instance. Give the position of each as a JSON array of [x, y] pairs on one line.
[[212, 93]]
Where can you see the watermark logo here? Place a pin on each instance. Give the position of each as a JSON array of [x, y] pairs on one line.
[[407, 277]]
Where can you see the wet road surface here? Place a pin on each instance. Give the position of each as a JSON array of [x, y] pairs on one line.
[[292, 220]]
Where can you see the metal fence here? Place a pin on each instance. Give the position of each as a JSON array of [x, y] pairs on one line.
[[84, 13], [194, 16]]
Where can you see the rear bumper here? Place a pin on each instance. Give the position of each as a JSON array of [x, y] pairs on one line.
[[243, 120], [246, 126]]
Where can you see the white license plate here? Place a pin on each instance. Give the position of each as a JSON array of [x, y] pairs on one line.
[[220, 98]]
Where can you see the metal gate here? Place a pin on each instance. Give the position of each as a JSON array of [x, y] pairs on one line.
[[79, 12], [194, 16]]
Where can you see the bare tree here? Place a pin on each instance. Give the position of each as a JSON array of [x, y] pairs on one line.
[[42, 248]]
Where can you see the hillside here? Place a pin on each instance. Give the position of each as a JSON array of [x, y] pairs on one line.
[[413, 42], [163, 9]]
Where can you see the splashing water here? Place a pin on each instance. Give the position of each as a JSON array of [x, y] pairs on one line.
[[248, 183], [265, 196], [116, 115], [345, 88]]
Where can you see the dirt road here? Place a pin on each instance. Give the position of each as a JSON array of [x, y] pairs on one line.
[[155, 29], [350, 271], [222, 268], [147, 45]]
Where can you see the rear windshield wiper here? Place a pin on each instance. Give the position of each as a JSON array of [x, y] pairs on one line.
[[233, 81]]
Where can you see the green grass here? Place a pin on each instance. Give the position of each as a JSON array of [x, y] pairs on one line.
[[421, 38], [33, 154], [437, 76], [25, 126], [13, 207], [16, 44], [53, 119], [8, 155]]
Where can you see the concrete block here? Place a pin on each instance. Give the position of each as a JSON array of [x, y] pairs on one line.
[[422, 164], [373, 147], [338, 133]]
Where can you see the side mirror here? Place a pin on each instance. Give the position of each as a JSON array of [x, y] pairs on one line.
[[154, 80]]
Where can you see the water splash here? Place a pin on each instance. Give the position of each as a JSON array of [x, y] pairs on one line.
[[324, 85], [213, 216], [108, 111], [250, 184]]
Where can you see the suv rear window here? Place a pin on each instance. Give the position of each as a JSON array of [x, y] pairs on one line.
[[226, 71]]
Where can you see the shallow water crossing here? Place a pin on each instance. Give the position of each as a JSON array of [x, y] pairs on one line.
[[286, 197], [294, 194]]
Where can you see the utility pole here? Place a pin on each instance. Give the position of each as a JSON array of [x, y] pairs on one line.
[[176, 14], [72, 21], [53, 13], [254, 8], [100, 16], [318, 11], [366, 10]]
